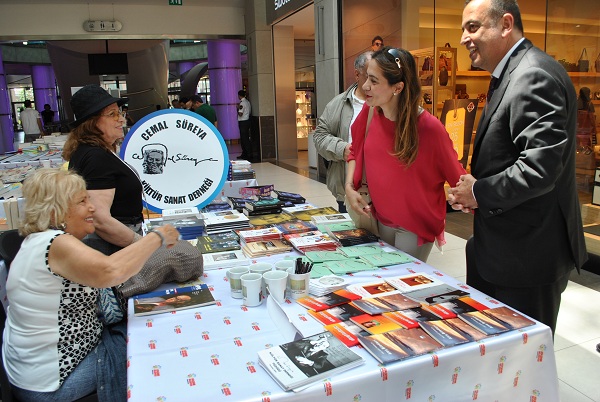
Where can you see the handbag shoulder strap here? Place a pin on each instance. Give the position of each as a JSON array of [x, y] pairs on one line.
[[369, 118], [584, 51]]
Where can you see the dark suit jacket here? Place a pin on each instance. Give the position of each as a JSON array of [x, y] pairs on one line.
[[528, 228]]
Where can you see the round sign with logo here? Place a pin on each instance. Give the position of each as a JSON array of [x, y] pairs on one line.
[[180, 157]]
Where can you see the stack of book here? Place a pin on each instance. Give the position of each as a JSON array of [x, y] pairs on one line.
[[255, 192], [264, 248], [298, 207], [326, 284], [295, 226], [270, 219], [178, 213], [252, 235], [263, 206], [332, 218], [291, 197], [352, 237], [237, 203], [224, 221], [218, 242], [189, 228], [218, 204], [240, 170], [307, 214], [311, 241]]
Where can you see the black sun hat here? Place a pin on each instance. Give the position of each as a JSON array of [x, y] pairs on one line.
[[90, 100]]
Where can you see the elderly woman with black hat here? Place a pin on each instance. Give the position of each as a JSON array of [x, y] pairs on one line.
[[113, 185], [55, 347]]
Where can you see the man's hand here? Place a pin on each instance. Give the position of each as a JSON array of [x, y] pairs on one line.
[[347, 152], [461, 197]]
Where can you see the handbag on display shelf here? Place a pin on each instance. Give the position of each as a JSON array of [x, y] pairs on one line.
[[583, 64], [597, 63], [364, 222]]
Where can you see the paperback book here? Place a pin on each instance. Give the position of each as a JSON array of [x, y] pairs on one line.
[[237, 203], [216, 247], [264, 248], [285, 196], [335, 314], [483, 323], [436, 294], [329, 219], [444, 333], [383, 304], [178, 213], [385, 349], [375, 324], [410, 318], [218, 237], [387, 258], [353, 237], [306, 215], [509, 317], [270, 219], [329, 227], [346, 331], [333, 299], [416, 339], [358, 251], [324, 256], [462, 305], [311, 241], [372, 289], [269, 211], [256, 191], [469, 331], [296, 226], [226, 259], [263, 204], [298, 207], [252, 235], [299, 363], [348, 266], [326, 284], [413, 281], [169, 300]]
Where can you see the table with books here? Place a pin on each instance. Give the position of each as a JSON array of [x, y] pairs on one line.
[[213, 351]]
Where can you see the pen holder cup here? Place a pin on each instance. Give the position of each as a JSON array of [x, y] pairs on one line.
[[298, 284]]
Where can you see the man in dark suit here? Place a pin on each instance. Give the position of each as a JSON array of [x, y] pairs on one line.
[[527, 234]]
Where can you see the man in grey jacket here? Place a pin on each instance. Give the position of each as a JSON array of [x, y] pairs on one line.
[[332, 136]]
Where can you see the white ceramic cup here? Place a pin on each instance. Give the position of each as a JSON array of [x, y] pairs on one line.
[[261, 268], [284, 265], [298, 284], [252, 289], [276, 282], [234, 275]]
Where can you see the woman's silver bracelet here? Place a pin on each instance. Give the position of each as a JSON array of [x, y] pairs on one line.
[[162, 236]]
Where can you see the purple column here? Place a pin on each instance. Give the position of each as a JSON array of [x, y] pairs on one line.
[[7, 132], [225, 75], [184, 67], [44, 87]]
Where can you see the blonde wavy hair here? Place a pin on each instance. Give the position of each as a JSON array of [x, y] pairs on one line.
[[48, 196]]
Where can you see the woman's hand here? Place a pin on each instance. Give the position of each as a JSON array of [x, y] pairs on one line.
[[169, 237], [356, 201]]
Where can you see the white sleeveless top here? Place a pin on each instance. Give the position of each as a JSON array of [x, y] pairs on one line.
[[51, 324]]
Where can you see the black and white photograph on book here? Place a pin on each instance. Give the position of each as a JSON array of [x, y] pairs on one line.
[[181, 158]]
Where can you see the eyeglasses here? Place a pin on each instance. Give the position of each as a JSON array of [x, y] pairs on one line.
[[378, 44], [396, 55], [114, 114]]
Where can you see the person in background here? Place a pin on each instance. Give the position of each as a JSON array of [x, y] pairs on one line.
[[128, 119], [185, 103], [48, 356], [113, 185], [203, 109], [527, 234], [47, 116], [243, 116], [332, 135], [175, 104], [31, 122], [407, 156], [377, 43]]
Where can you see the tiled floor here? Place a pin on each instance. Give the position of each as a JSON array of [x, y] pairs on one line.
[[577, 332]]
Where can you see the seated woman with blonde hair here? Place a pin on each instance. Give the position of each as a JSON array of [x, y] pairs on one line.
[[55, 348]]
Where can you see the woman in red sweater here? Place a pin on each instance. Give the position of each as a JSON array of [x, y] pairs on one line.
[[407, 156]]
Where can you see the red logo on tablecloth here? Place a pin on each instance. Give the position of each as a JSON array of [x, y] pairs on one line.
[[327, 388], [438, 273], [173, 312], [482, 349], [255, 326], [412, 271], [211, 288], [129, 391], [302, 317], [197, 316], [149, 323], [214, 359], [244, 308], [435, 359], [237, 341], [183, 352], [128, 361], [265, 396], [540, 353], [225, 279], [534, 394], [288, 301], [377, 276], [156, 371], [218, 303], [408, 390], [191, 379], [501, 364], [152, 344], [463, 286], [516, 379], [205, 335], [476, 391], [525, 338], [455, 374], [384, 373], [250, 367], [492, 300], [225, 389], [177, 329], [227, 320]]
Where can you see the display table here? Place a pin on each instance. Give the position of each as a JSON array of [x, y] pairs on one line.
[[210, 353]]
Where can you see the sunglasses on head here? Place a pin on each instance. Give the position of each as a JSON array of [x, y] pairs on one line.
[[396, 55]]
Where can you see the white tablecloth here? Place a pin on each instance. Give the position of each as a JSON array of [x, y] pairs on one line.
[[210, 353]]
